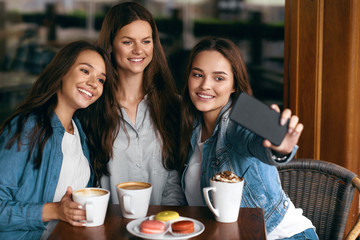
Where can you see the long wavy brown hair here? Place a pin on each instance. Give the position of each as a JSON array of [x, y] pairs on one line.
[[241, 84], [97, 119], [158, 83]]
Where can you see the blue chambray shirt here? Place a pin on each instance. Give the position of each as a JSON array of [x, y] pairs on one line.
[[23, 189], [233, 147], [139, 159]]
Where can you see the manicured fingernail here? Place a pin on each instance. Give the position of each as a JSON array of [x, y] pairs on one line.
[[282, 121], [290, 130], [80, 207]]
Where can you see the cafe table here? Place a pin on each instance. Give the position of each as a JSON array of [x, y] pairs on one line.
[[250, 225]]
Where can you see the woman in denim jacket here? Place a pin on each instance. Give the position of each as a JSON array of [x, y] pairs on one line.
[[216, 75], [44, 152]]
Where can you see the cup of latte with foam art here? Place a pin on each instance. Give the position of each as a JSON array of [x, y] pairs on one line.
[[95, 202], [134, 198]]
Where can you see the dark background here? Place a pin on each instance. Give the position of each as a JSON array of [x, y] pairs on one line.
[[32, 31]]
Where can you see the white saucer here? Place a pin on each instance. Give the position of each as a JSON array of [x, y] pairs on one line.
[[134, 228]]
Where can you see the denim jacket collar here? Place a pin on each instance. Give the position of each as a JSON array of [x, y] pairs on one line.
[[56, 124], [198, 124]]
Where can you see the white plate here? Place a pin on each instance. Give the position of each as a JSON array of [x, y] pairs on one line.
[[134, 228]]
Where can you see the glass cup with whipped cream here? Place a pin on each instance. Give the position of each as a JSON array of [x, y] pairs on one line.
[[226, 188]]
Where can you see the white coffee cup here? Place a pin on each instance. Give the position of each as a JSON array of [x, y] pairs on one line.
[[226, 198], [95, 202], [134, 198]]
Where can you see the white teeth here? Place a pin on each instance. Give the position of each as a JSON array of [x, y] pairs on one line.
[[84, 91], [205, 96], [136, 59]]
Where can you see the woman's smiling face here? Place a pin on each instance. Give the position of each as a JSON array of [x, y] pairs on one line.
[[82, 85], [133, 47], [211, 82]]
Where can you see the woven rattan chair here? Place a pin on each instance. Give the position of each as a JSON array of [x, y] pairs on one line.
[[324, 191]]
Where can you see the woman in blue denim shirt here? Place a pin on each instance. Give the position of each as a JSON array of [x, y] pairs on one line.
[[44, 152], [216, 75]]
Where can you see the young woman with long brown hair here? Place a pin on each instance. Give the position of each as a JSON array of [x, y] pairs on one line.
[[146, 147], [212, 143], [44, 151]]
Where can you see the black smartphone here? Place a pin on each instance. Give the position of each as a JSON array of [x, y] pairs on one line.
[[258, 118]]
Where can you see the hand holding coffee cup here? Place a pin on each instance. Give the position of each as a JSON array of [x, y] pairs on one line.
[[95, 202], [226, 188], [134, 198]]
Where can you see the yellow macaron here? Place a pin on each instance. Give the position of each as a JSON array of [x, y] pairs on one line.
[[166, 216]]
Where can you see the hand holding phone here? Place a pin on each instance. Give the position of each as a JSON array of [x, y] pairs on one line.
[[258, 118]]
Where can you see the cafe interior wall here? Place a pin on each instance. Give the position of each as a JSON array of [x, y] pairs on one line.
[[32, 31]]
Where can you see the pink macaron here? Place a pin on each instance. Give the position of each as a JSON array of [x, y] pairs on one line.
[[152, 227]]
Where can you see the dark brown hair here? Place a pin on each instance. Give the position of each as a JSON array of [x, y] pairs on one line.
[[42, 100], [241, 84], [158, 82]]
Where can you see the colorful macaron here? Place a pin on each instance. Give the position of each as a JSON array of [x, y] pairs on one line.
[[183, 227], [167, 216], [152, 227]]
